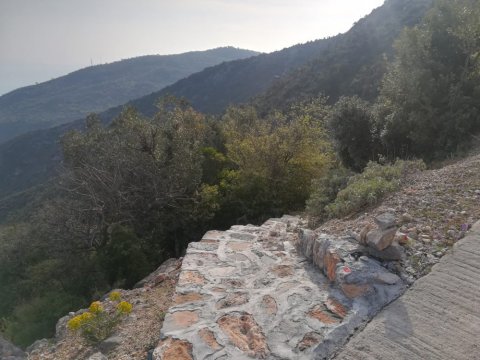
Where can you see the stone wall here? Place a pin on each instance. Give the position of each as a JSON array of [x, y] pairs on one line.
[[275, 291]]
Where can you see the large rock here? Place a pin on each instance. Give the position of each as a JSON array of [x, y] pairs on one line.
[[8, 351], [381, 239], [385, 221], [391, 253]]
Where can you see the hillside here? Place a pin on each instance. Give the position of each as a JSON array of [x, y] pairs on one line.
[[100, 87], [31, 159], [327, 66], [434, 207], [354, 64]]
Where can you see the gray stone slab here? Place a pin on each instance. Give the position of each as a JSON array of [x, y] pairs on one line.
[[437, 318]]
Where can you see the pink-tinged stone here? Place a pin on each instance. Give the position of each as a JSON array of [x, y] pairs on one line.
[[184, 319], [352, 291], [191, 277], [321, 314], [187, 298], [173, 349], [310, 339], [335, 307], [269, 305], [330, 261], [282, 270], [245, 334], [208, 337]]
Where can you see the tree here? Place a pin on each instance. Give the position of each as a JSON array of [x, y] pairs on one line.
[[351, 124], [429, 97], [274, 158]]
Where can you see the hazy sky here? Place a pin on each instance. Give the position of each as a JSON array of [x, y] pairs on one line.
[[42, 39]]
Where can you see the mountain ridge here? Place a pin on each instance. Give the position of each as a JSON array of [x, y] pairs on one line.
[[100, 87]]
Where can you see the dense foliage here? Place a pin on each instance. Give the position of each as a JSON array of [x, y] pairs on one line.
[[429, 102], [371, 186], [138, 191], [352, 127]]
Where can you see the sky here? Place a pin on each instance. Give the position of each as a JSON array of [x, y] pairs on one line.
[[44, 39]]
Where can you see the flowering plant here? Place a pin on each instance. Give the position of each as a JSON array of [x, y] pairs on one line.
[[96, 324]]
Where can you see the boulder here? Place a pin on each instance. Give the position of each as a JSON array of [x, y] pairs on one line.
[[363, 234], [385, 221], [380, 239], [393, 252]]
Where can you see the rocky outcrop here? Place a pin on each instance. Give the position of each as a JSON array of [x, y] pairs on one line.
[[9, 351], [275, 291]]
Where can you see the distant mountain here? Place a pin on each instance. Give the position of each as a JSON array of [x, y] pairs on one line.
[[30, 159], [100, 87]]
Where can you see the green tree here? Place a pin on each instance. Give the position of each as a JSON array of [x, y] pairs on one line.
[[429, 98], [274, 159], [351, 123]]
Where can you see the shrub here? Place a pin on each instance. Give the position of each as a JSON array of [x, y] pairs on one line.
[[371, 186], [96, 324], [324, 191], [114, 296]]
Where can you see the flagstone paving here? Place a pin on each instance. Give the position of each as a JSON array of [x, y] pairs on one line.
[[250, 292]]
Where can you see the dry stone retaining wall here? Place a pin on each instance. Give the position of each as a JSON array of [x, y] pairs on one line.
[[274, 291]]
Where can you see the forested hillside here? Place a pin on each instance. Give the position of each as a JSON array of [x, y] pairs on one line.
[[101, 87], [350, 63], [135, 191], [345, 58], [353, 64]]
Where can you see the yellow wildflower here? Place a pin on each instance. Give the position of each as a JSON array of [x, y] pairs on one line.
[[85, 317], [75, 322], [95, 307], [124, 307], [115, 296]]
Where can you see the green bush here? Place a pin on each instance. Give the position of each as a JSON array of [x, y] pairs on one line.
[[324, 191], [371, 186]]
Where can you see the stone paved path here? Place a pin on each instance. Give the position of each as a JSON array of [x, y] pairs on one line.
[[250, 293], [438, 318]]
